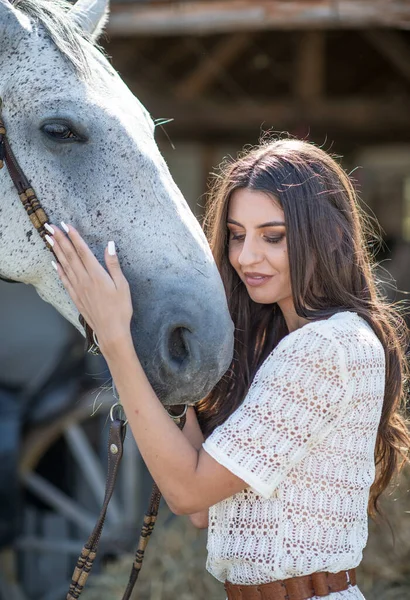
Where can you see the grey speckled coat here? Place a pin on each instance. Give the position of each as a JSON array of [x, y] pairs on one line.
[[110, 181]]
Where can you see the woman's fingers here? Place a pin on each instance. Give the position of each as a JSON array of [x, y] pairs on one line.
[[113, 265], [103, 298], [83, 252], [68, 286], [66, 254], [74, 255]]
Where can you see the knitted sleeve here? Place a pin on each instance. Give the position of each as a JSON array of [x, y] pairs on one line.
[[298, 395]]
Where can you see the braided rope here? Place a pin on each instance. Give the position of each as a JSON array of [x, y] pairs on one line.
[[27, 195]]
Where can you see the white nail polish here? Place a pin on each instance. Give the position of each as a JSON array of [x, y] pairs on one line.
[[49, 228], [65, 227], [111, 248], [54, 265], [49, 240]]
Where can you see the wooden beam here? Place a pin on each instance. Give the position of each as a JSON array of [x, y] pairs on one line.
[[178, 52], [212, 66], [353, 115], [391, 45], [200, 17], [309, 75]]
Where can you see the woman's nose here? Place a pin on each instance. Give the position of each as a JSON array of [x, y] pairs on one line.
[[250, 254]]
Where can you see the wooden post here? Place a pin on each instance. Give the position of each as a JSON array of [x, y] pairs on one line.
[[309, 72]]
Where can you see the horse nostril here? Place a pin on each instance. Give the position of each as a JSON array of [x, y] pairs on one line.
[[178, 347]]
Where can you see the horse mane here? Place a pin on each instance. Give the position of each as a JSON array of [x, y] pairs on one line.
[[69, 38]]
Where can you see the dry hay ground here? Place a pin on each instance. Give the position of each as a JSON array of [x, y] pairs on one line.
[[174, 566]]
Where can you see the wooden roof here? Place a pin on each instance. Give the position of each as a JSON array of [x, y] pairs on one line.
[[162, 17], [233, 68], [349, 83]]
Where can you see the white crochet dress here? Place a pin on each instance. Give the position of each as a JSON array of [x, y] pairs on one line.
[[303, 440]]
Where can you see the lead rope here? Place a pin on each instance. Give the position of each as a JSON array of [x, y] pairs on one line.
[[86, 559], [150, 518]]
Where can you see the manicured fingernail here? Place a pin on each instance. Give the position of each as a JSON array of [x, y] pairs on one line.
[[65, 227], [54, 265], [49, 228], [111, 248], [49, 240]]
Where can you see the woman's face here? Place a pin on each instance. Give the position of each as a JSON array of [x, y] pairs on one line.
[[257, 246]]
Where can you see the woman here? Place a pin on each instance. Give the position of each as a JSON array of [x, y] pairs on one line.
[[304, 432]]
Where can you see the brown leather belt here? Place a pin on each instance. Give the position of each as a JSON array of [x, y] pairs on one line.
[[295, 588]]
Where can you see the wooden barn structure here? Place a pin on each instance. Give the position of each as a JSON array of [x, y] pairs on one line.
[[336, 72]]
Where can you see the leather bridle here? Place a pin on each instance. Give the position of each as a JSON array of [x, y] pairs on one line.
[[35, 212], [32, 206]]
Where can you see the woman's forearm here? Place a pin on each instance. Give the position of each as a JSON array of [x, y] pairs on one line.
[[169, 455], [193, 433], [190, 480]]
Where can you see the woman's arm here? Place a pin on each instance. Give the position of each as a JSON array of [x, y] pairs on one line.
[[190, 480], [192, 430], [193, 433]]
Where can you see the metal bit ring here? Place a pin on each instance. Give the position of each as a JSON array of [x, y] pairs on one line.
[[121, 416], [177, 417]]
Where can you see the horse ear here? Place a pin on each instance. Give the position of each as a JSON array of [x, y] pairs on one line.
[[13, 23], [91, 16]]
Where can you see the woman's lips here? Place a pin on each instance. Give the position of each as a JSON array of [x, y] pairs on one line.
[[256, 280]]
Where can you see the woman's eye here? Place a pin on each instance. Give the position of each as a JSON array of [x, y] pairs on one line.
[[59, 131], [274, 240], [237, 236]]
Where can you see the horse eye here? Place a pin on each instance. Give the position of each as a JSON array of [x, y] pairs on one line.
[[59, 131]]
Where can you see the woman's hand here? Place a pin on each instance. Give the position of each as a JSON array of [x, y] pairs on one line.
[[103, 298]]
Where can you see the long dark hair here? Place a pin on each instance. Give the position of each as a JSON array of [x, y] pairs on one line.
[[331, 270]]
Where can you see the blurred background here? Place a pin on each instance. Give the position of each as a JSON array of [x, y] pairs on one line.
[[335, 72]]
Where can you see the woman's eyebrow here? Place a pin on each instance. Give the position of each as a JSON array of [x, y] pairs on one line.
[[268, 224]]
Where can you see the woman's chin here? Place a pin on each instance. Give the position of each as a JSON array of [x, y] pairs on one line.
[[261, 296]]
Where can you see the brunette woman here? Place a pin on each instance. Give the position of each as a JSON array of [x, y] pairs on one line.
[[304, 432]]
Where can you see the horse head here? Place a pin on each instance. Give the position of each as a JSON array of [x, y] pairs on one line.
[[87, 146]]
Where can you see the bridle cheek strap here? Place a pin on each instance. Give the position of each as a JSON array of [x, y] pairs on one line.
[[34, 210], [29, 200]]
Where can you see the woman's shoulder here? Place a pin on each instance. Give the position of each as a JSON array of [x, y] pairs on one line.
[[345, 331], [340, 350]]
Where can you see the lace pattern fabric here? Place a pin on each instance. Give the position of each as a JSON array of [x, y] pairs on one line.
[[303, 441]]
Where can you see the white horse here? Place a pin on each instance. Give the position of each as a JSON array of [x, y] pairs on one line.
[[87, 146]]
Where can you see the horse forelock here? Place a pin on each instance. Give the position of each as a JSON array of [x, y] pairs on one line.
[[74, 43]]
